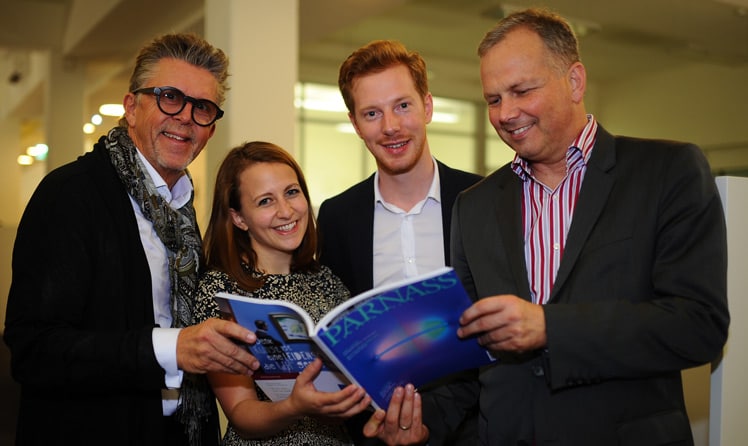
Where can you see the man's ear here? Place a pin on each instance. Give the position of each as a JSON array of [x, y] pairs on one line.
[[130, 103], [577, 76], [428, 105], [355, 126]]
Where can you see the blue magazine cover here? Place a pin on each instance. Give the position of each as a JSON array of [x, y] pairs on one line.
[[404, 332], [284, 347]]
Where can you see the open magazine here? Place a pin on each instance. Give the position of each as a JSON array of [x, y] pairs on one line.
[[404, 332]]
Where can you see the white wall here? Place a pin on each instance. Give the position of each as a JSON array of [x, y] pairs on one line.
[[704, 104], [729, 396]]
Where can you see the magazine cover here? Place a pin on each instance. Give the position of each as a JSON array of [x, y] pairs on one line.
[[404, 332], [284, 347]]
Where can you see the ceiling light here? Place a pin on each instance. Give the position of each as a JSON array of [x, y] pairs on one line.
[[446, 118], [319, 98], [321, 105], [25, 160], [345, 128], [112, 110], [38, 151]]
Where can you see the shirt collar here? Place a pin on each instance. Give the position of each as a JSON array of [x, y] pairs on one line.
[[434, 191], [178, 195], [583, 143]]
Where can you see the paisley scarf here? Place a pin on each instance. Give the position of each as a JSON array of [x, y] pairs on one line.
[[178, 231]]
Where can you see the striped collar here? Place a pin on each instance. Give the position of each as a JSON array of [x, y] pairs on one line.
[[583, 143]]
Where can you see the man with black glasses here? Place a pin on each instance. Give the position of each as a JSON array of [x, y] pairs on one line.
[[104, 266]]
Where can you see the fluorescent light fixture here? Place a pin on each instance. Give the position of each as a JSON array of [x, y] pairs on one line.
[[321, 105], [112, 110], [25, 160], [445, 118], [345, 128], [319, 98], [325, 98], [38, 151]]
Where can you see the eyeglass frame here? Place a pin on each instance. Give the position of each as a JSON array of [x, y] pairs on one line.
[[156, 91]]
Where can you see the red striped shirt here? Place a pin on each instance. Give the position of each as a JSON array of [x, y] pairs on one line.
[[547, 214]]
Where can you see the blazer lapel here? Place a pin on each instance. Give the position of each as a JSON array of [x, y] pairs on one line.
[[510, 227], [593, 196], [363, 218], [447, 199]]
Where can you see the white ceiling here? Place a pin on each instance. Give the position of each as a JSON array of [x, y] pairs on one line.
[[619, 39]]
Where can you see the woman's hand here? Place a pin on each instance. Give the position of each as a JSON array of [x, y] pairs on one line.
[[402, 423], [307, 400]]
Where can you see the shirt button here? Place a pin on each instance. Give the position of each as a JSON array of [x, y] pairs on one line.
[[556, 246]]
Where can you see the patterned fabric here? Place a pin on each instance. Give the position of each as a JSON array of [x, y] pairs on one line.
[[317, 293], [177, 230], [547, 213]]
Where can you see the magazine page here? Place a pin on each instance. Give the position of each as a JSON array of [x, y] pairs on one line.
[[284, 347], [402, 333]]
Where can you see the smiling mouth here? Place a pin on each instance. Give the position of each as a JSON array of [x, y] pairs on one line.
[[173, 136], [286, 227], [519, 131], [395, 146]]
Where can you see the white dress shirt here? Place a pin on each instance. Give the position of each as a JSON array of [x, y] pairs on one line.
[[164, 338], [407, 243]]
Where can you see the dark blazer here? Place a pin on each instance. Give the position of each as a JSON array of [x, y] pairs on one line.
[[80, 314], [640, 295], [346, 227]]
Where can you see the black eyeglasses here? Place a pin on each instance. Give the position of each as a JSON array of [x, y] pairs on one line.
[[171, 101]]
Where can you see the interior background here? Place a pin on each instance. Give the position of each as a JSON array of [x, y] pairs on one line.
[[673, 69]]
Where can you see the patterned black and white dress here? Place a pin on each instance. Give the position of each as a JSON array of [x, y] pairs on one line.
[[317, 293]]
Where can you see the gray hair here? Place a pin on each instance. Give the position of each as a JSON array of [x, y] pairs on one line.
[[555, 32], [188, 47]]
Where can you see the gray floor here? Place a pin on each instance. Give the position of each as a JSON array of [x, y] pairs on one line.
[[9, 395]]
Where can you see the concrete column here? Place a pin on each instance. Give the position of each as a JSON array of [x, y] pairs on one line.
[[261, 39], [11, 206], [64, 110]]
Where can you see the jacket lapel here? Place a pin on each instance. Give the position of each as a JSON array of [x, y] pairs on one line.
[[598, 182], [510, 227], [363, 218], [447, 198]]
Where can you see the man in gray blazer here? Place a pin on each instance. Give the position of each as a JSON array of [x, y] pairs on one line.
[[598, 262], [395, 224]]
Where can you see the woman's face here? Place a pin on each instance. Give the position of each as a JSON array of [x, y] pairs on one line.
[[274, 212]]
